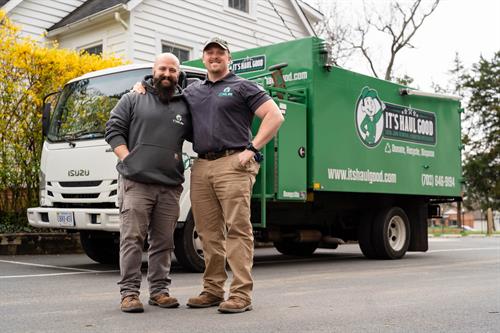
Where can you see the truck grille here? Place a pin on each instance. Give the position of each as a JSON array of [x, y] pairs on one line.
[[84, 205], [80, 195], [90, 183]]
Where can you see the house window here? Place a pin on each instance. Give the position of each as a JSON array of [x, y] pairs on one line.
[[181, 53], [239, 5], [96, 49]]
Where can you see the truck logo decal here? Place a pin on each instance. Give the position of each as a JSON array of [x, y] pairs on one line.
[[369, 120], [294, 194], [376, 119], [248, 64], [408, 124], [79, 173]]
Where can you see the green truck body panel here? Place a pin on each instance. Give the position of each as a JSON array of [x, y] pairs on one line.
[[348, 132]]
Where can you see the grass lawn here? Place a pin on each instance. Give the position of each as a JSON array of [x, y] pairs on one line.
[[438, 231]]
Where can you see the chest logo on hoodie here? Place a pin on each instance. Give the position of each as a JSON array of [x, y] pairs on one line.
[[178, 120]]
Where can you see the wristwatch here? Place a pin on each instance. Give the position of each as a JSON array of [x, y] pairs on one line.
[[252, 148], [259, 157]]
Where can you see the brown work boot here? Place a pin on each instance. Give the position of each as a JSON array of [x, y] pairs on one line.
[[235, 305], [131, 303], [205, 300], [163, 301]]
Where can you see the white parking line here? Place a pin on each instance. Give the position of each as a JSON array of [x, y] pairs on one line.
[[53, 274], [49, 266]]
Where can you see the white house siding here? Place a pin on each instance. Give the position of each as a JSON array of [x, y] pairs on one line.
[[111, 34], [35, 16], [189, 23]]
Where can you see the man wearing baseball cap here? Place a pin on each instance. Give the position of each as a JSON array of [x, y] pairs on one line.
[[217, 40], [222, 107], [222, 177]]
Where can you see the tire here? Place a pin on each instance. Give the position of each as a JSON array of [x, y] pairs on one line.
[[391, 233], [188, 248], [100, 246], [365, 237], [295, 248]]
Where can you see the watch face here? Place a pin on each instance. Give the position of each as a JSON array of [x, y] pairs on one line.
[[258, 157]]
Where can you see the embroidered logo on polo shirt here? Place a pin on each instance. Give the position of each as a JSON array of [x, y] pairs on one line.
[[226, 92], [178, 120]]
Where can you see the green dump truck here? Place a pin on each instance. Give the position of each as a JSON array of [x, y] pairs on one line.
[[357, 158]]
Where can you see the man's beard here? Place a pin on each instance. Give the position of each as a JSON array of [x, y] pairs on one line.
[[165, 93]]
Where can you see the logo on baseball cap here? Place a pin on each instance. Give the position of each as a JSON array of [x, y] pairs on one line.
[[217, 40]]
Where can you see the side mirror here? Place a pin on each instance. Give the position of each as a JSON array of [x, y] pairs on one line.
[[47, 108], [46, 111]]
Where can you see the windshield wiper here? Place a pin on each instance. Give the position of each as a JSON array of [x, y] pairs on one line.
[[81, 134], [71, 143], [73, 135], [90, 135]]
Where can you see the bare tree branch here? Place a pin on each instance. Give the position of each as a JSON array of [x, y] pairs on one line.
[[401, 25], [337, 36], [410, 24], [364, 49]]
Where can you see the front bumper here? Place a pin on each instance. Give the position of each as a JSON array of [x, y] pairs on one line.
[[105, 219]]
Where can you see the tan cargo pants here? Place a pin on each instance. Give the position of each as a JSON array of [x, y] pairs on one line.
[[148, 210], [220, 197]]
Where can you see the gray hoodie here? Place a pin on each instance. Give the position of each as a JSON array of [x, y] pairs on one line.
[[153, 132]]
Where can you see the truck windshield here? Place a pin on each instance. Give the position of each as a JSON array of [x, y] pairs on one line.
[[84, 105]]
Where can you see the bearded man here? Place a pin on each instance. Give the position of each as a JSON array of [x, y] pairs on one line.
[[146, 132]]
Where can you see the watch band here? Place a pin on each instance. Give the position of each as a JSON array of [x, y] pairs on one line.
[[251, 147]]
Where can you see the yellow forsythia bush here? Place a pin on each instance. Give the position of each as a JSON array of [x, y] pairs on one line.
[[29, 70]]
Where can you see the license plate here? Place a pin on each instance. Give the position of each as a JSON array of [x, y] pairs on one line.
[[66, 219]]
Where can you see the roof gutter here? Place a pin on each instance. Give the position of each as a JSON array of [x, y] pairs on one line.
[[303, 18], [310, 11], [11, 5], [111, 11]]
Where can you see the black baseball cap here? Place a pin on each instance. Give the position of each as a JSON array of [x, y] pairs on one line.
[[219, 41]]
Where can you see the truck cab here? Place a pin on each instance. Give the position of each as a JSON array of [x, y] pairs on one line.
[[78, 178]]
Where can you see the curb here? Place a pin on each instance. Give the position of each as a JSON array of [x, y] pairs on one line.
[[40, 243], [464, 236], [451, 236]]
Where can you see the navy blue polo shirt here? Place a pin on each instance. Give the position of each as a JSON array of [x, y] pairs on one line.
[[222, 112]]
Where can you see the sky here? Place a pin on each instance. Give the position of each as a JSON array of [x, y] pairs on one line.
[[469, 27]]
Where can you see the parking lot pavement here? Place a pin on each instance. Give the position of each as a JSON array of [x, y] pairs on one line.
[[454, 287]]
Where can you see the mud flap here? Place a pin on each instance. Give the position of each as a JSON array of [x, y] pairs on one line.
[[418, 225]]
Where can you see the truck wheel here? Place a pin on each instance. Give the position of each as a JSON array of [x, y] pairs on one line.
[[101, 246], [365, 237], [391, 233], [188, 247], [295, 248]]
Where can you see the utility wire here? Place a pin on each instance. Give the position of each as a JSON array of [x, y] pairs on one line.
[[281, 17]]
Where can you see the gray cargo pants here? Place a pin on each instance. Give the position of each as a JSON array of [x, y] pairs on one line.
[[152, 210]]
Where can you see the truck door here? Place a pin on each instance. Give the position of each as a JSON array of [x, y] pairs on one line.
[[285, 162]]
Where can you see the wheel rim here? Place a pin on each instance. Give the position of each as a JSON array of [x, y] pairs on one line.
[[396, 233], [198, 248]]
